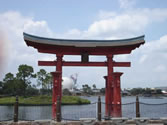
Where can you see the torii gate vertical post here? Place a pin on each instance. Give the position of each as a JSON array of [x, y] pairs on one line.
[[57, 87], [113, 101], [117, 112], [109, 81], [106, 97]]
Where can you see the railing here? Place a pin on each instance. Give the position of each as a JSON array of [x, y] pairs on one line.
[[78, 112], [153, 110]]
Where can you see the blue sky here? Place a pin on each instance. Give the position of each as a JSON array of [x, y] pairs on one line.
[[88, 19]]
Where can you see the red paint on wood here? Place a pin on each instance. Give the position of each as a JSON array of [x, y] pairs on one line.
[[110, 85], [71, 50], [121, 64], [117, 112], [113, 91], [57, 87], [55, 92], [72, 63]]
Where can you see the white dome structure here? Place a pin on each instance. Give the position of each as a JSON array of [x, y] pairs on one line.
[[67, 83]]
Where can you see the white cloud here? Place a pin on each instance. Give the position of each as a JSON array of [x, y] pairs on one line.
[[160, 68], [124, 57], [156, 46], [38, 28], [143, 58], [112, 27], [71, 34], [127, 3], [148, 62], [106, 15], [13, 24], [128, 23]]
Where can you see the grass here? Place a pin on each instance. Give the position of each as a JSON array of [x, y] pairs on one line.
[[43, 100], [69, 100]]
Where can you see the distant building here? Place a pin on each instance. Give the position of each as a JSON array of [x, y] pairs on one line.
[[125, 93], [163, 89], [77, 92], [95, 90]]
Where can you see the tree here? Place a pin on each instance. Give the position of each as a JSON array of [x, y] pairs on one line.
[[147, 91], [8, 84], [44, 79], [41, 76], [102, 90], [49, 82], [12, 86], [8, 77], [158, 91], [31, 91], [137, 91], [66, 92], [18, 87], [87, 89], [94, 86], [24, 75], [1, 86]]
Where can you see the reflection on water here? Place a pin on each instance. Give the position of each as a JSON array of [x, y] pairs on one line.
[[88, 111], [6, 112], [79, 111], [35, 112]]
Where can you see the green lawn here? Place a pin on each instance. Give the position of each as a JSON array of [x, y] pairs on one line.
[[43, 100]]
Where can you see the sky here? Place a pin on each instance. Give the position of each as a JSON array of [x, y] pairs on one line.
[[88, 19]]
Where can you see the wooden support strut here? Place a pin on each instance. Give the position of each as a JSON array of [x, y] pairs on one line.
[[16, 109], [99, 109]]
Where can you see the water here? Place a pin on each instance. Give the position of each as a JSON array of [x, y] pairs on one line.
[[76, 112]]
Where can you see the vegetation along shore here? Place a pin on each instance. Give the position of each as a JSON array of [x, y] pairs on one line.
[[43, 100]]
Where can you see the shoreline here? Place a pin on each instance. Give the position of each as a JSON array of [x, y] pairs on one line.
[[42, 101]]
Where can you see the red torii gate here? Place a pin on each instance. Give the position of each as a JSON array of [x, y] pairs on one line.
[[107, 48]]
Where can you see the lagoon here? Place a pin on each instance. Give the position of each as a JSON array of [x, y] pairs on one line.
[[149, 107]]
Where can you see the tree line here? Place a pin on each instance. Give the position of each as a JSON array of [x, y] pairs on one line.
[[22, 82], [144, 91]]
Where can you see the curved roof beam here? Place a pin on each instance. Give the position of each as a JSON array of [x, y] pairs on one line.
[[84, 43]]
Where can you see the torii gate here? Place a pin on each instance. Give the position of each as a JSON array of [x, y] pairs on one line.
[[107, 48]]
